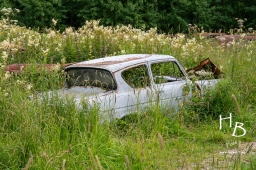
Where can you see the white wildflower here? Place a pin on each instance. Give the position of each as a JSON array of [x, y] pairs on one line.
[[56, 67], [69, 30], [57, 49], [4, 55], [51, 34], [228, 45], [45, 52], [14, 50], [29, 87], [14, 22], [126, 37], [5, 44], [201, 36], [30, 41], [204, 73], [184, 48], [17, 10], [185, 54], [63, 60], [249, 53], [243, 35], [7, 75], [54, 22]]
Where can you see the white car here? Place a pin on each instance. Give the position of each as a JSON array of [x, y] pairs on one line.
[[120, 85]]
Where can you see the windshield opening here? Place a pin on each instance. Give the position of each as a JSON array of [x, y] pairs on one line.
[[90, 77]]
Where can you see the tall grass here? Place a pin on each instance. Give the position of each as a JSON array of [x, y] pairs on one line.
[[54, 134]]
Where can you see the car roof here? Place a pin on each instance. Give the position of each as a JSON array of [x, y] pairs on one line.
[[115, 63]]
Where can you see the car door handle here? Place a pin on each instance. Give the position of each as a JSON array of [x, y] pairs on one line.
[[160, 91]]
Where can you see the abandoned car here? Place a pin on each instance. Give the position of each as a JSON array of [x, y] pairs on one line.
[[120, 85]]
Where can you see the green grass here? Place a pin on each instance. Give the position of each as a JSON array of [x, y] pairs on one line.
[[54, 134]]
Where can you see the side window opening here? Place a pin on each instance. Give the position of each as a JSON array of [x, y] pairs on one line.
[[136, 77], [166, 72]]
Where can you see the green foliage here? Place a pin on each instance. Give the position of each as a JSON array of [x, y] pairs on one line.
[[214, 102], [168, 16], [220, 99], [36, 13]]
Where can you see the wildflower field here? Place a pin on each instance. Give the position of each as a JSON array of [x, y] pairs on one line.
[[55, 136]]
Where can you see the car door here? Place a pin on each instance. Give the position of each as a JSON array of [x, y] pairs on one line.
[[135, 90], [168, 83]]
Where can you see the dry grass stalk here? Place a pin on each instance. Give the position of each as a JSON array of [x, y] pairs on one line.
[[127, 162], [92, 158], [63, 164], [161, 141], [98, 162], [236, 103], [186, 162], [252, 168], [45, 156], [58, 155], [250, 148], [220, 92], [239, 153], [30, 160], [89, 127]]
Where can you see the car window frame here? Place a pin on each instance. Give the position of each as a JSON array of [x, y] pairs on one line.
[[184, 78], [134, 66]]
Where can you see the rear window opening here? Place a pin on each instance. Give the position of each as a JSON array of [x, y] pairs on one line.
[[92, 77]]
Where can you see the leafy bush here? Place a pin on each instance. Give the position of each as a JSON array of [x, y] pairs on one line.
[[214, 102]]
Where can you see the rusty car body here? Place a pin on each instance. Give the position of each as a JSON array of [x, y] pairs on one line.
[[120, 85], [227, 39]]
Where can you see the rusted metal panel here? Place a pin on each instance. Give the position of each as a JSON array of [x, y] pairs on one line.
[[206, 65], [212, 34], [15, 68], [203, 83], [225, 39], [18, 68]]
